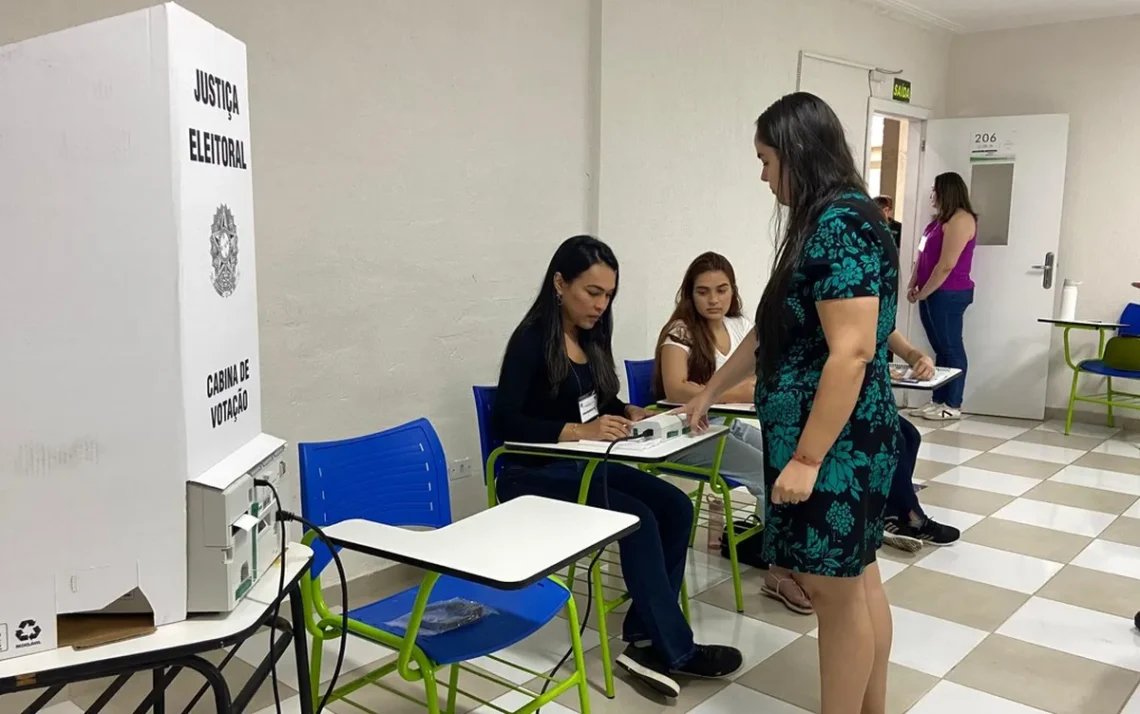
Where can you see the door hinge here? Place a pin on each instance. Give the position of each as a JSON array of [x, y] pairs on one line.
[[923, 147]]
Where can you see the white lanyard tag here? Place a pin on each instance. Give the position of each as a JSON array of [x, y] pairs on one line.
[[588, 407]]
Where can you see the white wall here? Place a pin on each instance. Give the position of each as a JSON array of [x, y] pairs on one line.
[[1087, 70], [682, 84]]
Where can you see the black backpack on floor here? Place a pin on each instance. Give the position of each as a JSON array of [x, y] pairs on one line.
[[748, 551]]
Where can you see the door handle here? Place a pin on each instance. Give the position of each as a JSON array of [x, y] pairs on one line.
[[1047, 268]]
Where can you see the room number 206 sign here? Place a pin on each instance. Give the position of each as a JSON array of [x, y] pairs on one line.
[[984, 142]]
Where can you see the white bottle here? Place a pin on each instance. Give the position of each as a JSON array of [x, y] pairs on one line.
[[716, 520], [1069, 300]]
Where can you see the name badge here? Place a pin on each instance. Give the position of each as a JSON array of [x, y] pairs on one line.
[[922, 242], [588, 407]]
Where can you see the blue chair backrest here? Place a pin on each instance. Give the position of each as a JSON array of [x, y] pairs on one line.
[[639, 373], [397, 477], [484, 409], [1130, 317]]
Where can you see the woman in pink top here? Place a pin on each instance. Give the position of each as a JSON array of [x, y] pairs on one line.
[[942, 286]]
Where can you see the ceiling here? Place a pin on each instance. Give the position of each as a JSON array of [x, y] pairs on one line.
[[982, 15]]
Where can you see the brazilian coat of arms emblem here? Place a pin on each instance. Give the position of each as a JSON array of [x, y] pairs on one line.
[[224, 251]]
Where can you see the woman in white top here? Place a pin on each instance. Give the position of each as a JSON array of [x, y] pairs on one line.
[[706, 327]]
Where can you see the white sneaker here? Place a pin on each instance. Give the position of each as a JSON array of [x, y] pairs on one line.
[[943, 413], [925, 409]]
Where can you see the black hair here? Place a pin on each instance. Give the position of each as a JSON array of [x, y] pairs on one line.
[[951, 195], [816, 168], [575, 256]]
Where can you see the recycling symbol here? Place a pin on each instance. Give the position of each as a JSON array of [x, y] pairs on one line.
[[27, 631]]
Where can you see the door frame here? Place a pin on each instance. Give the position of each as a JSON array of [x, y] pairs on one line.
[[916, 117], [891, 108], [913, 115]]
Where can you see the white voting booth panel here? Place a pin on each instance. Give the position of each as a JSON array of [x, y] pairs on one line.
[[129, 362]]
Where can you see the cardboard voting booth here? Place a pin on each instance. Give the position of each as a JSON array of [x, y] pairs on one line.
[[128, 314]]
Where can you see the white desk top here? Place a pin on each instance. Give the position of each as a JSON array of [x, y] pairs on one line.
[[942, 375], [742, 409], [1093, 324], [507, 547], [196, 634], [651, 453]]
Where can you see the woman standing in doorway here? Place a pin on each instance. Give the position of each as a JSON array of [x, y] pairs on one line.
[[942, 286], [823, 394]]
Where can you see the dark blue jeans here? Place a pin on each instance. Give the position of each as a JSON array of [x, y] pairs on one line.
[[942, 316], [902, 500], [652, 557]]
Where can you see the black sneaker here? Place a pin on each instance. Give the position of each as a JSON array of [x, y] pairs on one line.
[[900, 535], [712, 662], [935, 533], [645, 665], [909, 537]]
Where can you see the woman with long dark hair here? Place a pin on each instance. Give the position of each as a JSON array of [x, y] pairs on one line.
[[558, 383], [823, 394], [942, 286], [707, 325]]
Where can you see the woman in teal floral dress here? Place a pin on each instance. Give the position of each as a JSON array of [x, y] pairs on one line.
[[823, 393]]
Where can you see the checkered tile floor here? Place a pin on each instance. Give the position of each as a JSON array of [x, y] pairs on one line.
[[1031, 612]]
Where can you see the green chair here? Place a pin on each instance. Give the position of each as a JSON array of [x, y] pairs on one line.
[[1119, 359], [399, 477], [609, 597], [639, 374]]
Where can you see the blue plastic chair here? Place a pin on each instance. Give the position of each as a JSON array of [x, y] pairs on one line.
[[488, 444], [399, 477], [1130, 318], [1119, 358], [639, 374]]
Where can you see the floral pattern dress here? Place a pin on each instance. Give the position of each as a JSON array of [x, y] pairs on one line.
[[836, 531]]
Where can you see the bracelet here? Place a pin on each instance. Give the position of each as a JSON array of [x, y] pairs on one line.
[[806, 460]]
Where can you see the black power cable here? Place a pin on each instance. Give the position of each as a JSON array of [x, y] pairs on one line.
[[280, 596], [590, 569], [282, 517]]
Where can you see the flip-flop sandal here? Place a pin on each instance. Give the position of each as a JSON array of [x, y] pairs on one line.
[[776, 594]]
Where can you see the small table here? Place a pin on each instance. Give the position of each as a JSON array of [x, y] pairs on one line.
[[487, 549], [1086, 325], [942, 376], [657, 452], [744, 410], [741, 410], [172, 648]]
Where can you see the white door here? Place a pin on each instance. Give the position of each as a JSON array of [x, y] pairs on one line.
[[1015, 167]]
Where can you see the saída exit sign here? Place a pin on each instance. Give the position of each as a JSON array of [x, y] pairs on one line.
[[901, 92]]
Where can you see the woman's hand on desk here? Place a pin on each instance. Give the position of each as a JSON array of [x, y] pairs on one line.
[[697, 410], [922, 368], [605, 428]]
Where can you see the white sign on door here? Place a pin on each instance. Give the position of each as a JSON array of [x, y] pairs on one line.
[[990, 144]]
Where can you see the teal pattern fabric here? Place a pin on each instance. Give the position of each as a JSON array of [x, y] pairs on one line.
[[836, 532]]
